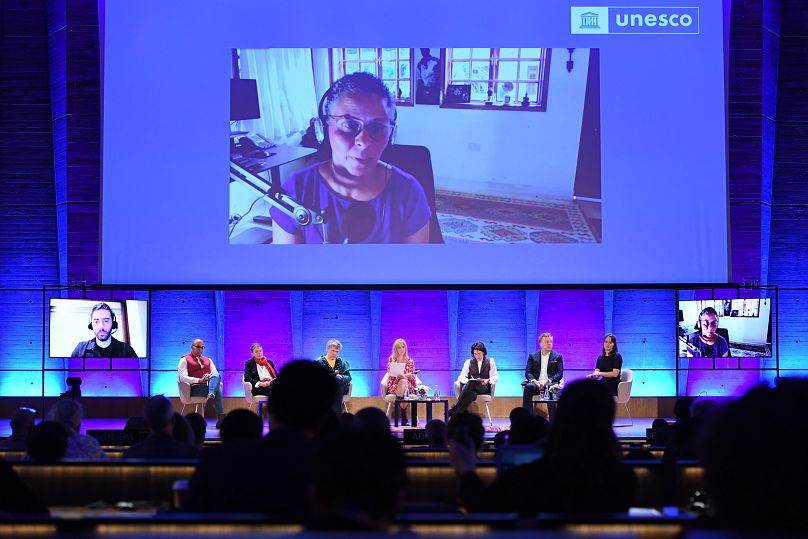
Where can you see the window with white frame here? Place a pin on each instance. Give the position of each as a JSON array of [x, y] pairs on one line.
[[512, 78], [392, 65]]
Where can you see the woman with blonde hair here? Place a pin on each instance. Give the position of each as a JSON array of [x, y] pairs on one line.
[[408, 380]]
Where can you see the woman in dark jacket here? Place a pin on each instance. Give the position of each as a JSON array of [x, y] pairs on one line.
[[259, 371]]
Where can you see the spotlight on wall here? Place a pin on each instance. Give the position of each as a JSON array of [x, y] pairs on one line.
[[570, 63]]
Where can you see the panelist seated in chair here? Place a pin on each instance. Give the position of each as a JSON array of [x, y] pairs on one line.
[[200, 373], [478, 375], [407, 381], [362, 199], [340, 367], [259, 371], [607, 368], [544, 368]]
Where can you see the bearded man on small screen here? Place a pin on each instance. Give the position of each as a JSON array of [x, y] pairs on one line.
[[103, 324]]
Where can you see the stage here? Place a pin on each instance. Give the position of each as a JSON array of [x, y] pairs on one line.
[[622, 429]]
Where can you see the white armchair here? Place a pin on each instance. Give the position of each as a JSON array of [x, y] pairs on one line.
[[251, 399], [186, 398], [624, 392], [185, 392], [482, 398], [347, 397], [390, 398]]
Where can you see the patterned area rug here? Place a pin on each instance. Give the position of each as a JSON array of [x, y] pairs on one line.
[[466, 218]]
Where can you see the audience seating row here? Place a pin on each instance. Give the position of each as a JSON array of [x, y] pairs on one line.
[[79, 483]]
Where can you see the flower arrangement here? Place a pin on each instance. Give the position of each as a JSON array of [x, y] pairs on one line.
[[422, 391], [554, 390]]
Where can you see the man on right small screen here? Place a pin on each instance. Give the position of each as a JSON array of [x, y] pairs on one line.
[[706, 342], [544, 368]]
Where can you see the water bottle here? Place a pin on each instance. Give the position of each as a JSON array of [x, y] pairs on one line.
[[407, 392], [436, 394]]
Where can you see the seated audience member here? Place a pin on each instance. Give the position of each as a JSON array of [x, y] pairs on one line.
[[372, 418], [528, 430], [339, 367], [478, 375], [435, 432], [69, 414], [581, 470], [346, 419], [662, 432], [225, 480], [465, 428], [608, 365], [198, 426], [201, 374], [516, 414], [161, 443], [182, 430], [259, 371], [137, 422], [754, 457], [15, 495], [47, 441], [241, 424], [687, 433], [21, 423], [367, 496]]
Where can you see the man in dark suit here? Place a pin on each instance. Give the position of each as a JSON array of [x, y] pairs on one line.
[[544, 368]]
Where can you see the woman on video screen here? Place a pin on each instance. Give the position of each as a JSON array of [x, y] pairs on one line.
[[362, 199]]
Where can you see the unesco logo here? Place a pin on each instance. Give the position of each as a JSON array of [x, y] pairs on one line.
[[634, 20]]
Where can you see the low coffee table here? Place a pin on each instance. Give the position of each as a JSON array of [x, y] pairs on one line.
[[414, 412]]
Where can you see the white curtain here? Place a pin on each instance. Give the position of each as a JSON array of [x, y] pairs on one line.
[[285, 90]]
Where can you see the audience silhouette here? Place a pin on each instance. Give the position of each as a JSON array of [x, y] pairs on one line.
[[369, 498], [755, 459], [272, 474], [581, 470], [160, 443], [21, 423]]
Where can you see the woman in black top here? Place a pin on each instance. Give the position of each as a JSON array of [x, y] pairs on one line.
[[609, 364]]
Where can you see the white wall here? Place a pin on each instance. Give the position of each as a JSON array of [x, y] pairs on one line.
[[749, 330], [519, 154]]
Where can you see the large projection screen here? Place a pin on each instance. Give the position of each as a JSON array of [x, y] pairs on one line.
[[598, 157]]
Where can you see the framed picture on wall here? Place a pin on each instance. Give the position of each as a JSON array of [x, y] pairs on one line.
[[428, 76], [458, 93]]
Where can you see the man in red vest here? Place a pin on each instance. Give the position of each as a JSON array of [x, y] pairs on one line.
[[205, 381]]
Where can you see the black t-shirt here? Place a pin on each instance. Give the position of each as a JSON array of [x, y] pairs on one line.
[[116, 348], [608, 364]]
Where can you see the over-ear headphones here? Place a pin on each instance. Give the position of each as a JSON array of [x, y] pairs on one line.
[[321, 122], [103, 307], [706, 310]]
